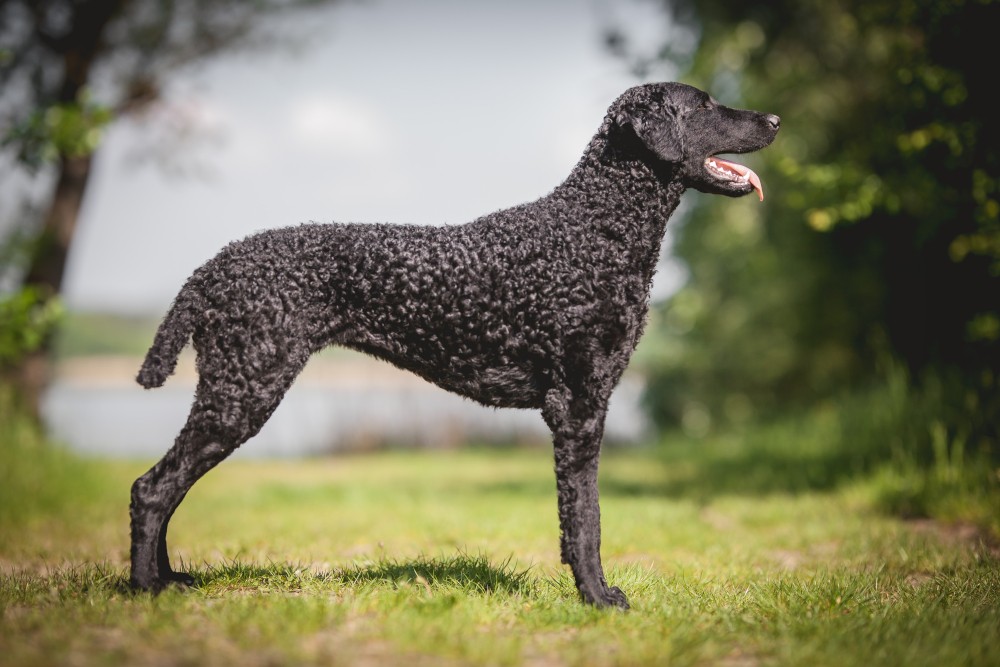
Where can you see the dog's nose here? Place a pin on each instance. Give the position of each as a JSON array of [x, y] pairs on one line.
[[775, 121]]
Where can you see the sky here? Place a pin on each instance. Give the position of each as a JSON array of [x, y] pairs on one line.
[[432, 112]]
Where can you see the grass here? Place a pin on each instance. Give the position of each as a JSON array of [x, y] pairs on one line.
[[451, 558]]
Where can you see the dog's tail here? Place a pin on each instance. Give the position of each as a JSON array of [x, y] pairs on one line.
[[170, 339]]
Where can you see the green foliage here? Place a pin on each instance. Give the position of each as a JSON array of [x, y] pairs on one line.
[[898, 435], [58, 131], [880, 235], [28, 316]]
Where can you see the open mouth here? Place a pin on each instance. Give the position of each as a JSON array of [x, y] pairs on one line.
[[735, 172]]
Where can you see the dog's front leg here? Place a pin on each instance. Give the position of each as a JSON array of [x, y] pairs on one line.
[[577, 428]]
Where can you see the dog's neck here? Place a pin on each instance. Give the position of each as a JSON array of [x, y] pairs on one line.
[[603, 179]]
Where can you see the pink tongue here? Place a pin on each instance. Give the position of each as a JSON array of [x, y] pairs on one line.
[[743, 171]]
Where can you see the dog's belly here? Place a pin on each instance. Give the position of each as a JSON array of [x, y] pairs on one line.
[[486, 378], [510, 387]]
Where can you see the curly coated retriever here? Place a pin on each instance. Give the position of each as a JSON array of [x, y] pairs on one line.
[[537, 306]]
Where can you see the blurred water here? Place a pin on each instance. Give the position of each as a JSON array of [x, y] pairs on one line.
[[95, 416]]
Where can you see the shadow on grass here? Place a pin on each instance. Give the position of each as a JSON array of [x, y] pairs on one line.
[[470, 574]]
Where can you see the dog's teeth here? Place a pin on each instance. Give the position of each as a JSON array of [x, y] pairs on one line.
[[735, 172]]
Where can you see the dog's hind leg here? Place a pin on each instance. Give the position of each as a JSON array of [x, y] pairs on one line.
[[226, 413], [577, 426], [156, 495]]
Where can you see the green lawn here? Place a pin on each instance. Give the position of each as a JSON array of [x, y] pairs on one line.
[[451, 558]]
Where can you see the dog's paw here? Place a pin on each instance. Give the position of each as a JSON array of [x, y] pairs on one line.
[[616, 598], [147, 585], [181, 578], [608, 597], [157, 584]]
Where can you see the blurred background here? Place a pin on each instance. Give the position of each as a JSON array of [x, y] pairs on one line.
[[858, 307]]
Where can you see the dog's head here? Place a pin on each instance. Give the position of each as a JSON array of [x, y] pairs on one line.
[[686, 128]]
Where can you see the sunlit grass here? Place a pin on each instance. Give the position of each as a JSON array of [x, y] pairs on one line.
[[452, 558]]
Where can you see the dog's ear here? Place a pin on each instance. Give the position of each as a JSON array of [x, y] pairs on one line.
[[657, 130]]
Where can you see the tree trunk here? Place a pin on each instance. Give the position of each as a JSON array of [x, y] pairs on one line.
[[78, 49], [48, 266], [49, 259]]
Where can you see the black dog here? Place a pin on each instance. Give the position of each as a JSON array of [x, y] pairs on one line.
[[536, 306]]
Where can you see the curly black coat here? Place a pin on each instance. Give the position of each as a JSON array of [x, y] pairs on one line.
[[536, 306]]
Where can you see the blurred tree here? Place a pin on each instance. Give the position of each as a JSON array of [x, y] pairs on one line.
[[67, 69], [880, 236]]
